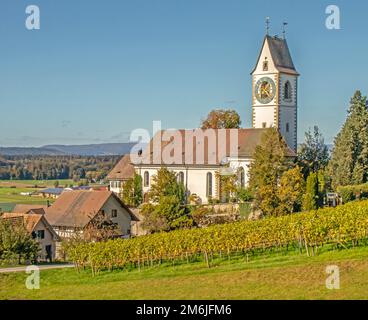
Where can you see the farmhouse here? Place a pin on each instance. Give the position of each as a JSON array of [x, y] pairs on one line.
[[74, 211], [51, 192], [123, 171], [41, 230]]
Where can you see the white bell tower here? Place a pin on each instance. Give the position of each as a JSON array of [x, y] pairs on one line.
[[274, 90]]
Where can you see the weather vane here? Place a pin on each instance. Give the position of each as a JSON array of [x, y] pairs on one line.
[[284, 24], [267, 25]]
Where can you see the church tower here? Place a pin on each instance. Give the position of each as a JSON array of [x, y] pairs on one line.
[[274, 90]]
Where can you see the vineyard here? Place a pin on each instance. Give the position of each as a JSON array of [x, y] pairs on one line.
[[304, 232]]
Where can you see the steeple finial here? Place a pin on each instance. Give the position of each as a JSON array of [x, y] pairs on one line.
[[284, 24], [267, 25]]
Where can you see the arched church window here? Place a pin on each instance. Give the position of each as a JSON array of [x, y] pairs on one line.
[[241, 177], [265, 65], [287, 91], [181, 177], [287, 127], [146, 179], [209, 184]]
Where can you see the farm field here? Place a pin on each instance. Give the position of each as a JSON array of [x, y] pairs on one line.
[[277, 276], [10, 191], [33, 183], [11, 196]]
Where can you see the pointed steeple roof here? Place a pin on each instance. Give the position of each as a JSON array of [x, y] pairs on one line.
[[280, 54]]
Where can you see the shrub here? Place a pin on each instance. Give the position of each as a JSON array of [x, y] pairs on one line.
[[168, 214], [16, 242], [353, 192], [244, 194], [199, 215], [347, 195], [310, 199], [194, 199]]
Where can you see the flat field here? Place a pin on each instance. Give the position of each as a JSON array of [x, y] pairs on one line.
[[291, 276], [11, 191]]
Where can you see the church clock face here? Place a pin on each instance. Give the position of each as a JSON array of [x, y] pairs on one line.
[[265, 90]]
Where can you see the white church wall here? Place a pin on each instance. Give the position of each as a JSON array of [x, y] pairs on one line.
[[288, 111], [293, 81], [288, 119], [235, 164], [194, 177], [197, 182], [264, 115], [265, 56]]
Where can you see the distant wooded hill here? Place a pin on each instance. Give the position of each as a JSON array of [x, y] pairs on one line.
[[103, 149], [80, 150], [55, 167]]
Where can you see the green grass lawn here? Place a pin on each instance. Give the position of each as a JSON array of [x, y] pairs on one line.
[[290, 276], [10, 191], [13, 196]]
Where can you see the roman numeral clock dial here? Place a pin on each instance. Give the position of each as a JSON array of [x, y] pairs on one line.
[[265, 90]]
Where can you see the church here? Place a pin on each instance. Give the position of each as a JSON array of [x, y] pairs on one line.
[[199, 157]]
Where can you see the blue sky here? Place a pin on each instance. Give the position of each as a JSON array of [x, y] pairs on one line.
[[98, 69]]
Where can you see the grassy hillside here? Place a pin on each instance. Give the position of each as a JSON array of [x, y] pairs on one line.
[[291, 276]]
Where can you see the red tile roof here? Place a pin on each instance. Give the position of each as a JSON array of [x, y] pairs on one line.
[[77, 208], [30, 220], [123, 169], [25, 208], [247, 140]]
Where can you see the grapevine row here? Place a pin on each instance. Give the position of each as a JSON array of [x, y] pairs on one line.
[[308, 231]]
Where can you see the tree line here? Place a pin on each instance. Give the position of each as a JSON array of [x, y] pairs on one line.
[[56, 167]]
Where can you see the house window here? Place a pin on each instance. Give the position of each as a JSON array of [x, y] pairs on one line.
[[264, 125], [241, 177], [287, 91], [115, 184], [39, 234], [287, 127], [181, 177], [209, 185], [114, 213], [146, 179]]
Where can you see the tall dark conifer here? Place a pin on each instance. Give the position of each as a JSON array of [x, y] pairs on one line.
[[349, 160]]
